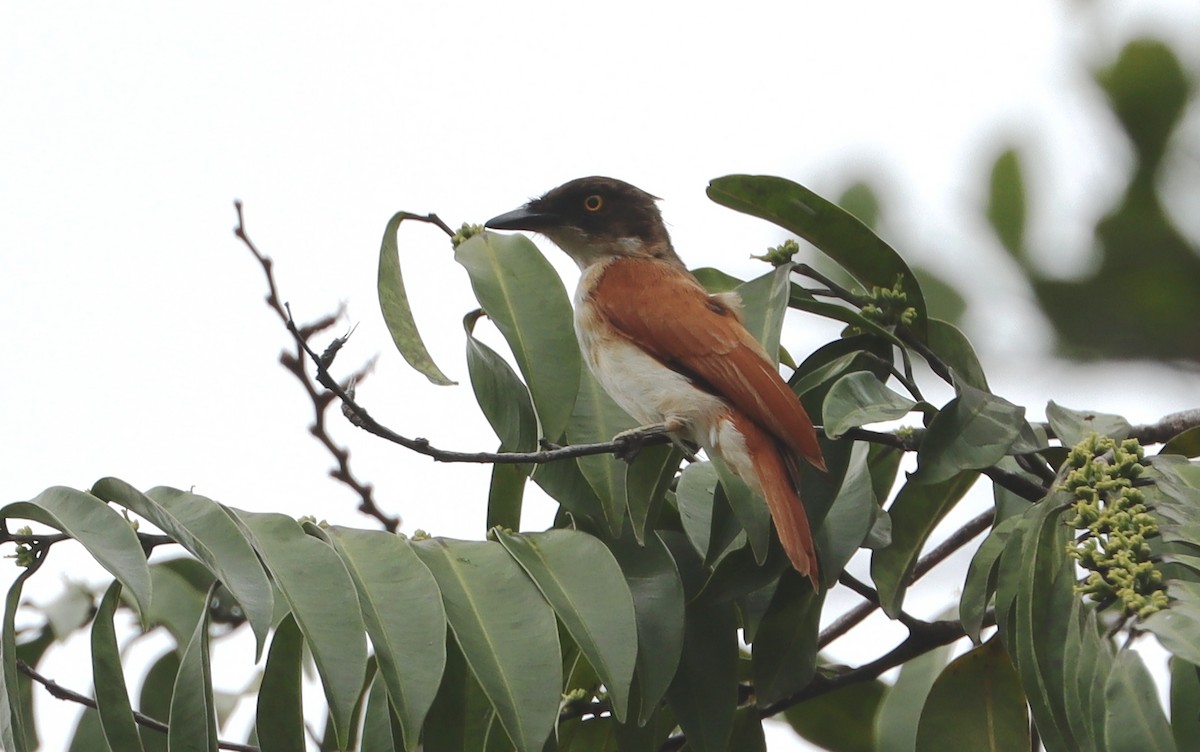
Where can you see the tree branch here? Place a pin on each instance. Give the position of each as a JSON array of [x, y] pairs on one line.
[[60, 692]]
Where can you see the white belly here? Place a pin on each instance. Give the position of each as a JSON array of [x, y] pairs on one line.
[[640, 384]]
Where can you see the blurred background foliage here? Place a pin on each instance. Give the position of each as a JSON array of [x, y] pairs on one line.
[[1138, 293]]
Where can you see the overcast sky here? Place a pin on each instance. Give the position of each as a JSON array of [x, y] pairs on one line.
[[136, 342]]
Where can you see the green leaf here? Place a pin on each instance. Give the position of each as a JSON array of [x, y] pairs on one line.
[[461, 714], [178, 602], [14, 736], [833, 230], [850, 519], [30, 651], [381, 730], [106, 535], [764, 303], [971, 432], [506, 494], [322, 598], [565, 483], [89, 734], [203, 528], [525, 299], [747, 734], [1073, 426], [841, 720], [584, 585], [915, 512], [976, 704], [597, 418], [506, 630], [703, 695], [397, 314], [1186, 443], [981, 578], [1135, 718], [658, 603], [750, 510], [501, 394], [156, 696], [694, 497], [785, 645], [1185, 705], [647, 479], [280, 719], [896, 722], [193, 719], [955, 350], [112, 699], [403, 612], [1006, 203], [1177, 627], [1034, 597], [857, 399]]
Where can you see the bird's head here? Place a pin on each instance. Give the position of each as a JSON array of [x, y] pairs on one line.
[[594, 219]]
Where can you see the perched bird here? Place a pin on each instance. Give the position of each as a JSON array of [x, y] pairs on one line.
[[676, 358]]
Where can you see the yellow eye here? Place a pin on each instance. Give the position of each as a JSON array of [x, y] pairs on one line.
[[593, 203]]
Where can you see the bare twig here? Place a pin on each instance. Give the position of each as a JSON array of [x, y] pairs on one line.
[[294, 362], [62, 693]]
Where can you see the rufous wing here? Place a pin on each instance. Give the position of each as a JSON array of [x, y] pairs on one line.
[[664, 309]]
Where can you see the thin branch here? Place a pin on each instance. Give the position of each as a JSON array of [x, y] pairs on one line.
[[294, 362], [62, 693]]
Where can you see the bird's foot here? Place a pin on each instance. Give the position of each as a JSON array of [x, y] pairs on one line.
[[630, 443]]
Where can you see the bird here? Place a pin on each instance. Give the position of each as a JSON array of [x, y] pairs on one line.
[[676, 358]]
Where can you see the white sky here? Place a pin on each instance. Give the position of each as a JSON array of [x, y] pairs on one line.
[[136, 341]]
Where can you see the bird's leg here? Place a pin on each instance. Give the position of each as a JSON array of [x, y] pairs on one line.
[[629, 443]]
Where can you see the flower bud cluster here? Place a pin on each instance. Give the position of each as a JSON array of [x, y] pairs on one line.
[[889, 305], [1114, 525]]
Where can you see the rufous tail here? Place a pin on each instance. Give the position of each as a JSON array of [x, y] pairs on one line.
[[777, 477]]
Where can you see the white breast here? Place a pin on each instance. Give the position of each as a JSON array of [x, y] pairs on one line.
[[645, 388]]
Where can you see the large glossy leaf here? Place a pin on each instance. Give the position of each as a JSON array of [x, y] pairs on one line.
[[658, 603], [857, 399], [201, 526], [193, 719], [461, 715], [842, 720], [30, 651], [764, 303], [750, 510], [785, 645], [1177, 627], [500, 393], [955, 350], [526, 300], [322, 598], [397, 314], [703, 695], [106, 535], [1135, 720], [89, 734], [981, 578], [1073, 426], [156, 696], [973, 431], [836, 232], [898, 717], [850, 519], [646, 482], [583, 583], [112, 699], [1185, 705], [597, 418], [1034, 597], [506, 631], [694, 497], [915, 512], [178, 602], [402, 609], [280, 718], [506, 494], [976, 704], [13, 715], [380, 730], [565, 483]]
